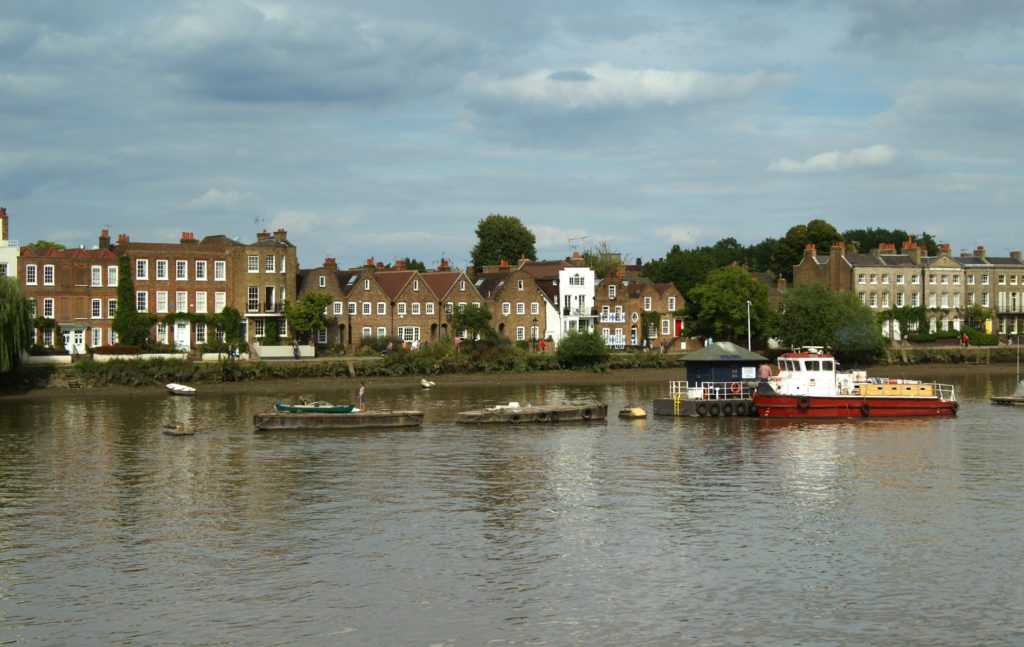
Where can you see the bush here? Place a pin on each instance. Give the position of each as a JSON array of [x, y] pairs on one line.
[[116, 349], [581, 349]]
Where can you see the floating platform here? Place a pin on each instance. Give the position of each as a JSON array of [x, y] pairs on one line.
[[354, 420], [1008, 401], [539, 414]]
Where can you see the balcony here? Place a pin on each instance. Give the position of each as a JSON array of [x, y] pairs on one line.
[[613, 317]]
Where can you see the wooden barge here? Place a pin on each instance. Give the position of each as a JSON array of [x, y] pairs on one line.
[[356, 420], [512, 413]]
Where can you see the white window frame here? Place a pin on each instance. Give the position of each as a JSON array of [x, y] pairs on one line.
[[534, 308], [322, 281], [141, 269], [49, 275], [200, 270], [161, 270], [429, 308], [269, 263], [520, 308], [111, 308], [220, 271], [96, 309], [111, 276], [200, 302], [180, 270], [414, 308], [382, 307], [95, 276], [648, 304], [367, 308], [31, 275], [506, 308], [48, 308], [161, 301], [141, 301], [220, 301], [252, 263]]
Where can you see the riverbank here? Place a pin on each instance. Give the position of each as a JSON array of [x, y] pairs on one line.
[[312, 386]]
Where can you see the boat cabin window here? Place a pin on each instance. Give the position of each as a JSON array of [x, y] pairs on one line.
[[813, 365], [826, 365]]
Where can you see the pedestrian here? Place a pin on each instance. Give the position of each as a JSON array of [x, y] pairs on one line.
[[295, 348], [542, 345], [965, 340], [362, 397]]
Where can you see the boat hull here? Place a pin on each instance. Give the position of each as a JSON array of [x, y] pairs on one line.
[[180, 389], [515, 415], [851, 406], [355, 420]]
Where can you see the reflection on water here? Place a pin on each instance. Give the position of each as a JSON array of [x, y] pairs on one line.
[[660, 531]]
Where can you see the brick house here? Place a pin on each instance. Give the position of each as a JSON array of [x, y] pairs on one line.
[[339, 284], [519, 306], [622, 302], [453, 290]]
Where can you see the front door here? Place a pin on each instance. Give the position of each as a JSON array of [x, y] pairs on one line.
[[74, 341], [182, 335]]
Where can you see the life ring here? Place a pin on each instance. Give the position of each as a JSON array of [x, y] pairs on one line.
[[587, 414], [734, 387], [542, 416], [514, 418], [865, 409], [726, 408], [702, 409], [714, 410], [741, 409], [554, 416], [803, 403]]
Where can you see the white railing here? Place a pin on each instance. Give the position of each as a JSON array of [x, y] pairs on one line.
[[613, 317], [734, 390]]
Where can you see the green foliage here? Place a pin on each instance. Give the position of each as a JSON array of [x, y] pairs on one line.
[[132, 328], [602, 259], [413, 264], [15, 324], [271, 334], [811, 315], [230, 321], [476, 320], [308, 315], [690, 267], [718, 307], [865, 240], [43, 244], [502, 238], [582, 349], [789, 249]]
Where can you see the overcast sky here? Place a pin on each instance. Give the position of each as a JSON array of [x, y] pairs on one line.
[[390, 128]]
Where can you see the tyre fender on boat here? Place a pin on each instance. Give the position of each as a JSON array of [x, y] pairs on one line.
[[714, 410], [956, 406], [554, 416], [514, 418], [865, 409], [587, 413], [542, 416], [803, 403], [702, 409], [741, 409], [726, 409]]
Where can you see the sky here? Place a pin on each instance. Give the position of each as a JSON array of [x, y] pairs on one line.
[[391, 128]]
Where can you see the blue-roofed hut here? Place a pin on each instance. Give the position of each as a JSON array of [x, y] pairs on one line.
[[722, 361]]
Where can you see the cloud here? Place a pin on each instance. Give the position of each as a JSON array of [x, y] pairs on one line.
[[877, 156], [607, 86], [215, 199]]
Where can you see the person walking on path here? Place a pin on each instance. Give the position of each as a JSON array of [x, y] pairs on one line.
[[362, 397], [295, 348]]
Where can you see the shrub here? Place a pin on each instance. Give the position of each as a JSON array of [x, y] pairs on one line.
[[581, 349]]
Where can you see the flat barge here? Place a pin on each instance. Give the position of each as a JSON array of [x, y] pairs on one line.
[[512, 413], [279, 421]]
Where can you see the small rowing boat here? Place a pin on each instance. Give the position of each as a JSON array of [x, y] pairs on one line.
[[180, 389], [318, 406]]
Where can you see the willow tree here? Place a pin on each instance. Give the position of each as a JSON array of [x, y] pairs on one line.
[[15, 324]]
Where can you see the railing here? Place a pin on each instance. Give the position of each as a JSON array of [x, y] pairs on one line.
[[616, 342], [613, 317], [9, 243], [734, 390]]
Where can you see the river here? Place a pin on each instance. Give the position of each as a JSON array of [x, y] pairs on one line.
[[628, 532]]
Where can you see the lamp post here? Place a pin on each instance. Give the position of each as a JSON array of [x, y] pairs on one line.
[[748, 324]]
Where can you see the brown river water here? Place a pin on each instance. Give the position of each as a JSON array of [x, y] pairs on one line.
[[625, 532]]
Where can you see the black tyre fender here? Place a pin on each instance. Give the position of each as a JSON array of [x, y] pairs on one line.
[[752, 411], [587, 413], [554, 416], [726, 408], [803, 403], [514, 418], [865, 409], [542, 416], [702, 409], [714, 410], [741, 409], [956, 406]]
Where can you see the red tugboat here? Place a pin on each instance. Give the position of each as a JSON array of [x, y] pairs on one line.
[[808, 386]]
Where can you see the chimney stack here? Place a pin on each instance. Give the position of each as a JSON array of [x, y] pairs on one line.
[[443, 265], [980, 252], [1015, 256], [400, 264], [188, 237], [3, 223], [331, 263], [944, 249], [104, 242], [263, 235], [281, 235], [122, 238], [369, 262]]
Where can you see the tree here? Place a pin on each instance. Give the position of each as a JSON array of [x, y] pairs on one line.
[[811, 315], [230, 321], [132, 328], [476, 320], [789, 249], [502, 238], [578, 349], [15, 324], [718, 307], [308, 315], [413, 264], [42, 244], [602, 259]]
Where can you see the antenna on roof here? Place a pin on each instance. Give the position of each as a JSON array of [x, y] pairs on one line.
[[572, 247], [259, 221]]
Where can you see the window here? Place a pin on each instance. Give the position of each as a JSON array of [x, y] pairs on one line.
[[258, 328], [97, 337], [915, 279], [945, 300], [408, 333], [416, 285], [321, 336], [220, 271], [338, 309], [3, 269], [449, 307], [252, 264], [96, 276], [1013, 279], [48, 275], [665, 326], [111, 336], [415, 308], [462, 306], [366, 284], [931, 279], [956, 279], [367, 306], [874, 300], [161, 270], [647, 303], [161, 301], [520, 285], [382, 331], [899, 299], [506, 308], [282, 263], [96, 311], [534, 332], [112, 276], [885, 279], [635, 317], [201, 302], [933, 300], [861, 279], [611, 291], [141, 269], [367, 331], [400, 309], [462, 286], [873, 279], [984, 279], [200, 332], [429, 308], [1001, 279], [984, 299], [535, 308], [970, 299], [520, 308], [200, 270], [30, 275], [970, 279], [269, 263], [322, 281], [899, 279], [142, 301], [915, 300], [885, 299], [111, 308], [181, 270], [520, 333], [48, 308], [48, 338], [252, 299], [352, 307], [956, 299], [220, 301], [382, 307], [671, 304], [945, 279]]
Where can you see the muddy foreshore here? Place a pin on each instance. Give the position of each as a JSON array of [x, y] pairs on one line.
[[312, 385]]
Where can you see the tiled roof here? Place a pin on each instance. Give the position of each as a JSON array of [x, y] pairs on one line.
[[488, 284], [392, 281], [440, 282], [74, 252]]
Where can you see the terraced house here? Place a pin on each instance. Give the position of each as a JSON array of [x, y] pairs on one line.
[[631, 309], [520, 309]]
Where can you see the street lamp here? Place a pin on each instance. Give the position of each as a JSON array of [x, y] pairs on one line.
[[748, 324]]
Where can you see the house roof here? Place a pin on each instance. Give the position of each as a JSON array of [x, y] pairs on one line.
[[74, 252], [440, 282], [723, 351], [393, 281]]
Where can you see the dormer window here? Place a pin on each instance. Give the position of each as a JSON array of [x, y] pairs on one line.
[[611, 291], [323, 281], [366, 284]]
